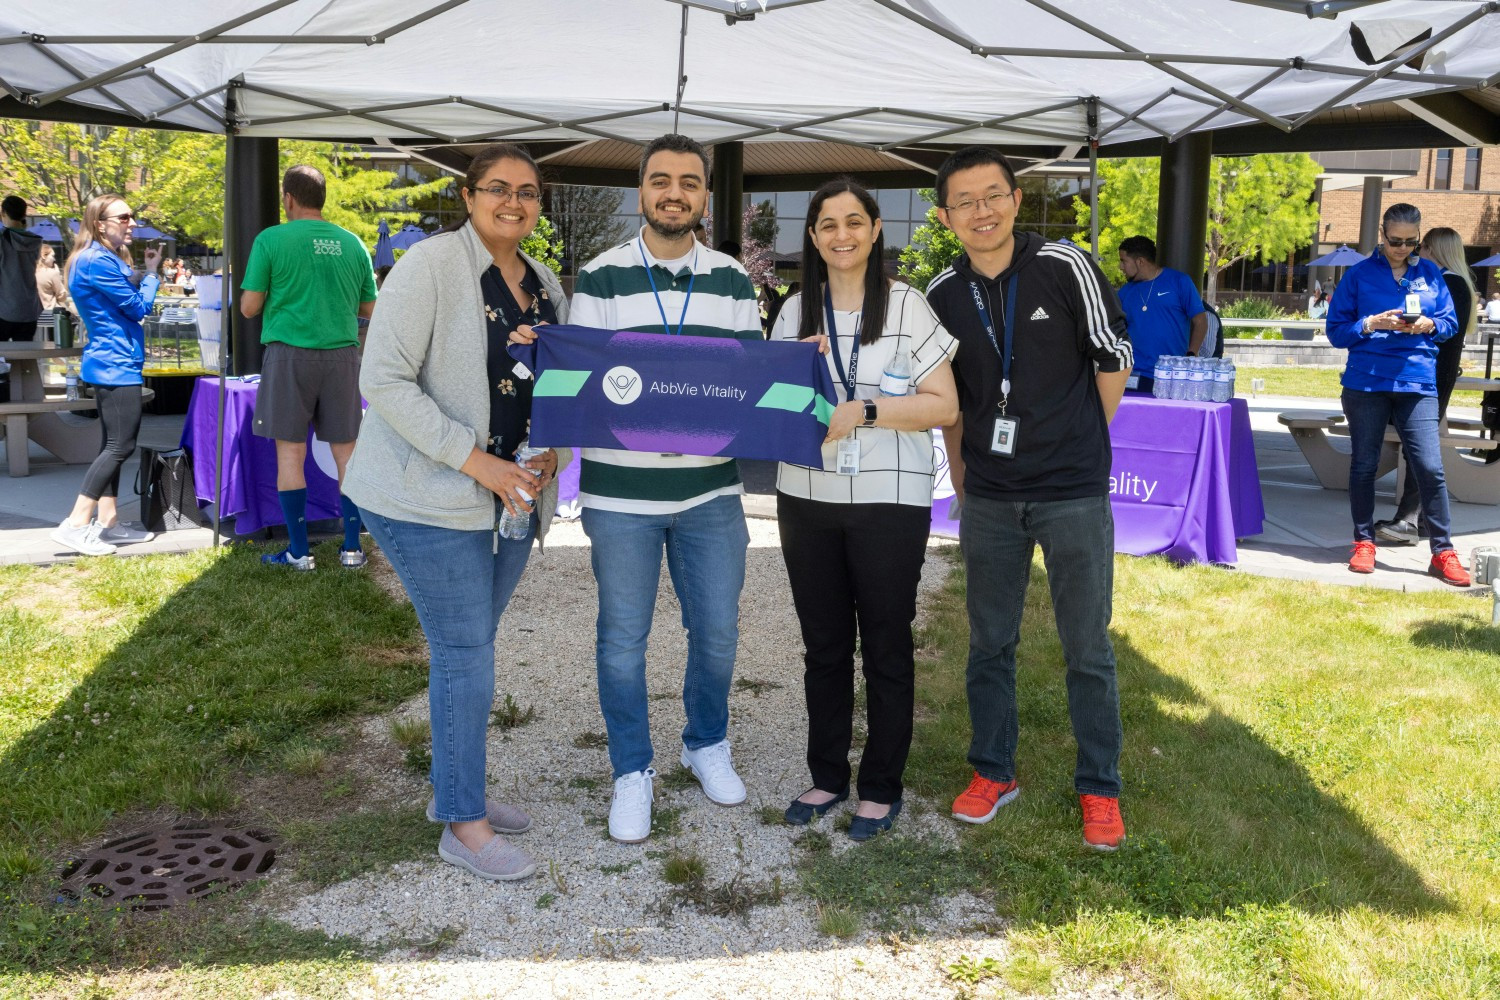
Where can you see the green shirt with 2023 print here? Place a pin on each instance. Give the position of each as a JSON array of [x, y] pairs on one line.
[[315, 276]]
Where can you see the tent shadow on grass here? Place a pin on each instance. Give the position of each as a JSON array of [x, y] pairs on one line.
[[1217, 816]]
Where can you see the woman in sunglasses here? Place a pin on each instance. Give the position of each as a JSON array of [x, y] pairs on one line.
[[112, 298], [1391, 311]]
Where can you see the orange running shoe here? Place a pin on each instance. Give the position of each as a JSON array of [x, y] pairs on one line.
[[1363, 559], [982, 799], [1446, 566], [1103, 829]]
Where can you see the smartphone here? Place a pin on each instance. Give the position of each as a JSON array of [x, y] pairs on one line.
[[1413, 310]]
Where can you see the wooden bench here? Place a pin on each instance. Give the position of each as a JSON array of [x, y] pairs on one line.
[[1312, 430], [41, 420]]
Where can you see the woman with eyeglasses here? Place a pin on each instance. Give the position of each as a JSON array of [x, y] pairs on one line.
[[1391, 311], [435, 464], [854, 532], [111, 298]]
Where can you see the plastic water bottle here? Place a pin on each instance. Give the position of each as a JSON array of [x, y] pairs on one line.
[[515, 526], [1180, 377], [70, 380], [1199, 388], [1224, 381], [897, 375], [1161, 385]]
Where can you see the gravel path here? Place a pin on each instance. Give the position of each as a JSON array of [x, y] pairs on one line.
[[598, 919]]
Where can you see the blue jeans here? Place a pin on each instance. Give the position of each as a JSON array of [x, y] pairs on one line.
[[997, 538], [705, 547], [1416, 420], [459, 586]]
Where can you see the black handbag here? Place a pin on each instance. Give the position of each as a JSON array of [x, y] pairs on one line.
[[164, 483]]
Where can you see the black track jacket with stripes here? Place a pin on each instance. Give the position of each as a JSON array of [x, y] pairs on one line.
[[1068, 326]]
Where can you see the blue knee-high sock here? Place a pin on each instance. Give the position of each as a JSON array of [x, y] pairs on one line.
[[352, 524], [294, 507]]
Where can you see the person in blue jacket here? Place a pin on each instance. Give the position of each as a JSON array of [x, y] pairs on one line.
[[112, 298], [1391, 311]]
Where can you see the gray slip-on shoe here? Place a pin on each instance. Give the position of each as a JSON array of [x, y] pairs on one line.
[[503, 818], [498, 861]]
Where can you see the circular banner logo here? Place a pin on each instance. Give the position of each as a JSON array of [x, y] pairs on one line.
[[622, 385]]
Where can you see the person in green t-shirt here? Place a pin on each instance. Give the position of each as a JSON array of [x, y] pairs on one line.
[[310, 280]]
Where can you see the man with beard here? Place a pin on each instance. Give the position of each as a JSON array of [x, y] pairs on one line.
[[637, 505]]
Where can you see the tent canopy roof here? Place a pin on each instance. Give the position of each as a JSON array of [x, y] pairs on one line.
[[890, 74]]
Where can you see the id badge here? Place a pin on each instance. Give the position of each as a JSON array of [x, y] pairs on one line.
[[847, 461], [1133, 382], [1003, 438]]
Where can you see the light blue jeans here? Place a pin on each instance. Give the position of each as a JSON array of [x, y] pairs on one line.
[[459, 587], [705, 547]]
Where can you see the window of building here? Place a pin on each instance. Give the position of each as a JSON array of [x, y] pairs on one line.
[[1471, 169], [1442, 170]]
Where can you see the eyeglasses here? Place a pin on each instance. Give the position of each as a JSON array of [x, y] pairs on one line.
[[123, 217], [526, 196], [970, 205], [1412, 242]]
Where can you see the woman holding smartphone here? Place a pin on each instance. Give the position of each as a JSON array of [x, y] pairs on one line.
[[1391, 311]]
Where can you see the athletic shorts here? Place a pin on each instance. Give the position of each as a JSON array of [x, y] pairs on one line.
[[300, 386]]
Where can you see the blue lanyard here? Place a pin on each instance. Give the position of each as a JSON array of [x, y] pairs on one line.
[[833, 342], [681, 320], [1008, 309]]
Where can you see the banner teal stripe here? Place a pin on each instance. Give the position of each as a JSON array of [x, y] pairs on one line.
[[785, 396], [560, 382], [823, 410]]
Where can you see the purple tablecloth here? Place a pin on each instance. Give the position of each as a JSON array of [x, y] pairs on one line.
[[1183, 481], [249, 461]]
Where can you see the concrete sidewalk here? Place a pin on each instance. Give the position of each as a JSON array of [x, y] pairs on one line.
[[1307, 532]]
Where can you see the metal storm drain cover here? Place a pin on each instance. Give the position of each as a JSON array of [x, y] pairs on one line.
[[157, 869]]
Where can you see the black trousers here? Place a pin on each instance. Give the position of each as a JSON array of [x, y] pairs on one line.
[[120, 419], [1450, 357], [854, 570]]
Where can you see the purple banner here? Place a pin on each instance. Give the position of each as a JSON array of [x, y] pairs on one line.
[[649, 392]]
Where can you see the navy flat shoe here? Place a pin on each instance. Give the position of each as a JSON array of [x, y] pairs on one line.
[[863, 827], [801, 813]]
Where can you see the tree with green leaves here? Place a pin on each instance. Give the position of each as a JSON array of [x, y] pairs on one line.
[[1258, 207], [59, 167], [932, 248], [761, 225], [586, 220]]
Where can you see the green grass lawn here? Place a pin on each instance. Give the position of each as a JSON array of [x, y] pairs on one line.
[[1308, 791], [1308, 783], [1322, 383]]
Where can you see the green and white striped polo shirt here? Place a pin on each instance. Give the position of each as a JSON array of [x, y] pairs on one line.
[[614, 293]]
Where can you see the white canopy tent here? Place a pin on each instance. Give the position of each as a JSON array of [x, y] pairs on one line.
[[880, 73]]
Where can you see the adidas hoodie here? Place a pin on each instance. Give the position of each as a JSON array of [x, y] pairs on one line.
[[1068, 326]]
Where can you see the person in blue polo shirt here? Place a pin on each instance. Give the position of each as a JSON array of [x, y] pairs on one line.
[[1162, 306], [1391, 311]]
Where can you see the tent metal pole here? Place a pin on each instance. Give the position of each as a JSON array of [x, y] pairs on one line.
[[226, 298], [681, 65], [1263, 81], [1093, 113], [1126, 119]]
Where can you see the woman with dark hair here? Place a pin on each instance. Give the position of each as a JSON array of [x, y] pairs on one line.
[[436, 462], [854, 532], [1445, 248], [112, 298], [1391, 311]]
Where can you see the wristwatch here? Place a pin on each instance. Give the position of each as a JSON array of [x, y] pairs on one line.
[[869, 420]]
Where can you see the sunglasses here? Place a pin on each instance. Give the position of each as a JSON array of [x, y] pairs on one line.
[[123, 217], [1412, 242]]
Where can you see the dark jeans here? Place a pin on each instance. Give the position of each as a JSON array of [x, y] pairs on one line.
[[1450, 355], [997, 538], [1416, 420], [854, 570], [120, 420]]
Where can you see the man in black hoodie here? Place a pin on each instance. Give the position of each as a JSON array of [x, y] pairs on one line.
[[1042, 362], [19, 303]]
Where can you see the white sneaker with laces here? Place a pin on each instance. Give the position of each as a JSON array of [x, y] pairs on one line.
[[712, 767], [84, 540], [121, 533], [630, 812]]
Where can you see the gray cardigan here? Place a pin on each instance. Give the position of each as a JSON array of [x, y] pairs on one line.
[[424, 377]]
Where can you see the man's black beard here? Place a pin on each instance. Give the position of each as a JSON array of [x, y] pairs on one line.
[[671, 230]]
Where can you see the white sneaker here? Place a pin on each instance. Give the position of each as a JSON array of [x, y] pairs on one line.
[[630, 812], [715, 773], [84, 540], [121, 533]]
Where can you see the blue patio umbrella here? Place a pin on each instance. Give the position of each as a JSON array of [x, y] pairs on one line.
[[384, 257], [145, 232], [1342, 257], [1489, 261], [47, 230], [408, 236]]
